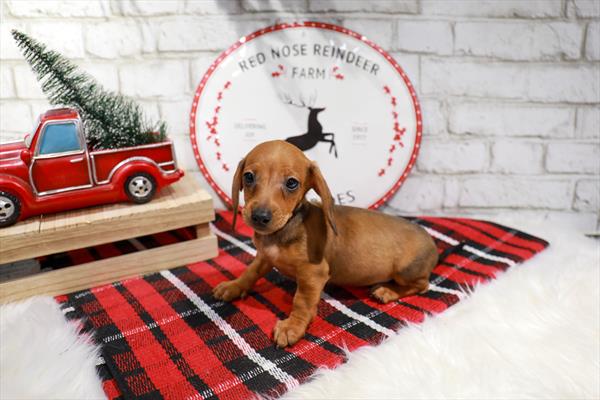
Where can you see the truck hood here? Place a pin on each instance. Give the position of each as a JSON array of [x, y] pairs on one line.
[[11, 152]]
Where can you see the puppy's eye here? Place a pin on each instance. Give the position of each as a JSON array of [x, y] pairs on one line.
[[292, 184], [248, 178]]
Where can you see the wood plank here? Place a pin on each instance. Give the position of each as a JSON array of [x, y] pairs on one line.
[[100, 272], [19, 269], [27, 227], [202, 230], [182, 204]]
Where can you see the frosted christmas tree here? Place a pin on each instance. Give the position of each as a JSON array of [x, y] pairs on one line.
[[110, 120]]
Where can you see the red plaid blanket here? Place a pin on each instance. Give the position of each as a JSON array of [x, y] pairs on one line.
[[164, 335]]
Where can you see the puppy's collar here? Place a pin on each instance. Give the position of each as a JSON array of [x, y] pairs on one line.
[[297, 216], [300, 210]]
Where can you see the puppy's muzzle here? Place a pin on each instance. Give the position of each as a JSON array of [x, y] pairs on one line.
[[261, 217]]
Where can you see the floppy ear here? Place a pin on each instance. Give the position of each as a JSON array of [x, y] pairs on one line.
[[236, 188], [320, 186]]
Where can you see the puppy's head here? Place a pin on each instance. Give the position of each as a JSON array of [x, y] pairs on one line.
[[275, 176]]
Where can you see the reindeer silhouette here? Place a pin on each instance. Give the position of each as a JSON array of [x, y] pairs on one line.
[[315, 133]]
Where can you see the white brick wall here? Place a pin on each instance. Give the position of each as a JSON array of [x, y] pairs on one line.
[[587, 195], [537, 82], [384, 6], [517, 157], [494, 8], [592, 45], [554, 193], [521, 40], [588, 121], [68, 36], [433, 37], [113, 39], [146, 7], [211, 33], [68, 8], [451, 157], [585, 8], [156, 78], [573, 158], [380, 31], [511, 119], [510, 89], [7, 86]]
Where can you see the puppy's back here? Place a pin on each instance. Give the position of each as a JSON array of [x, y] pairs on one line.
[[370, 245]]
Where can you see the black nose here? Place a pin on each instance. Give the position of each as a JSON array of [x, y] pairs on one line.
[[261, 216]]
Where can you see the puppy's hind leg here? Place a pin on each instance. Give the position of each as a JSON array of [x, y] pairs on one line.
[[409, 280], [392, 291], [386, 292]]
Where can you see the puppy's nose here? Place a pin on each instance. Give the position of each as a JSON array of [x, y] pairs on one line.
[[261, 216]]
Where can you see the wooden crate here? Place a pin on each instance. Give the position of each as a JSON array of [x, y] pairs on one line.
[[182, 204]]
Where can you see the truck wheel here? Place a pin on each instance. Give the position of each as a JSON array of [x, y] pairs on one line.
[[10, 209], [140, 187]]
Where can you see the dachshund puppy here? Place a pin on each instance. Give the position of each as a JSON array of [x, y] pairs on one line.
[[320, 243]]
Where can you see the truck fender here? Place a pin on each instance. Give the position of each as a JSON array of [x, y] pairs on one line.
[[147, 166], [19, 188]]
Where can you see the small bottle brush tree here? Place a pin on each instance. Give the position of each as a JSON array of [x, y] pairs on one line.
[[110, 120]]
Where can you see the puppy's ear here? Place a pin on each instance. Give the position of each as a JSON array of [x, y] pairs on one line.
[[236, 188], [320, 186]]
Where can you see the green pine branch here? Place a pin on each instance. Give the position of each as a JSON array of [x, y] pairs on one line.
[[110, 120]]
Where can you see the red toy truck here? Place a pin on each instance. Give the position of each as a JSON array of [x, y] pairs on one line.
[[53, 170]]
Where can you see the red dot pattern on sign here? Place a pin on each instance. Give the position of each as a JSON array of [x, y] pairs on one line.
[[280, 71], [318, 25], [398, 131], [212, 124]]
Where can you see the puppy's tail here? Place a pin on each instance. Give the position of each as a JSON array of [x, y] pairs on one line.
[[450, 250]]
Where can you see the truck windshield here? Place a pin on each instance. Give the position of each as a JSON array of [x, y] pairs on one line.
[[59, 138]]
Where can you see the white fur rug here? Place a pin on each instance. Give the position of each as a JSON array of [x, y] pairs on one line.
[[42, 356], [532, 333]]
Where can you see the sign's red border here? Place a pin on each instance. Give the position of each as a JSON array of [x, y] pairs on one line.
[[308, 24]]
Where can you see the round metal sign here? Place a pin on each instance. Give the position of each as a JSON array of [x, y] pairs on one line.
[[330, 91]]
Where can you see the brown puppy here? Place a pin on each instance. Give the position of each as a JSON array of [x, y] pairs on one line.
[[320, 243]]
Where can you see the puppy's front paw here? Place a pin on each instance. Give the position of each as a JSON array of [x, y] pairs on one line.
[[228, 290], [288, 332]]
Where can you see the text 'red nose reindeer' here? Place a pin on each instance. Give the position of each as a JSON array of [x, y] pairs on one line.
[[315, 130]]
